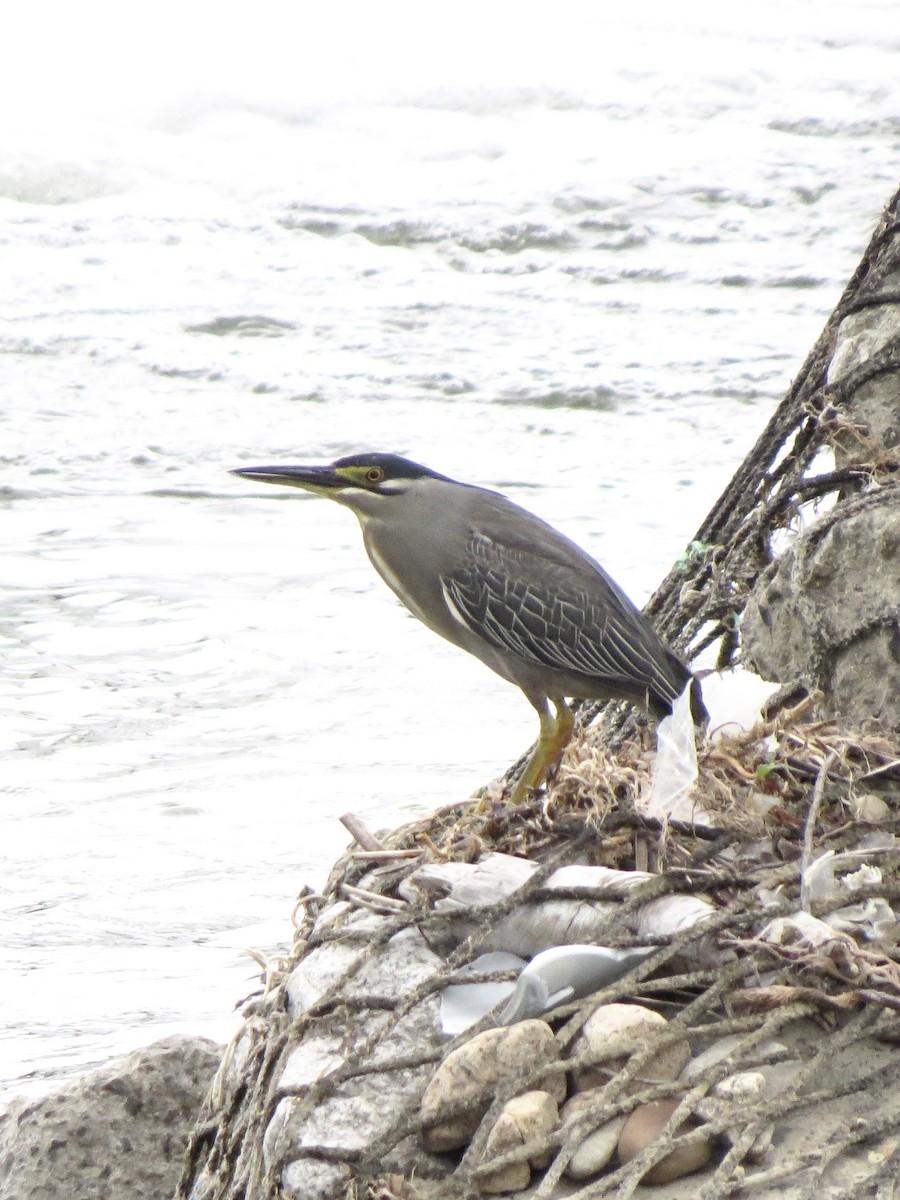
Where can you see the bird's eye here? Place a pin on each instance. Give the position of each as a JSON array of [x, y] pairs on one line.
[[374, 475]]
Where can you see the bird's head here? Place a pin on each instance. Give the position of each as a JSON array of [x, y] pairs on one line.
[[357, 480]]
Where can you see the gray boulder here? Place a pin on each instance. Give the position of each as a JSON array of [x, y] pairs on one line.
[[827, 613], [116, 1134]]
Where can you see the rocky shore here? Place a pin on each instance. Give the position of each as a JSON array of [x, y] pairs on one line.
[[580, 996]]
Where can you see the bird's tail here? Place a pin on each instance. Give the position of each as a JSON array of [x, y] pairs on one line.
[[661, 702], [698, 708]]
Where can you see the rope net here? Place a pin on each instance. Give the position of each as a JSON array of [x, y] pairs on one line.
[[819, 1018]]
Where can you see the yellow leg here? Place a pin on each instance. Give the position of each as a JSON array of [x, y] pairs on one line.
[[554, 737], [565, 723]]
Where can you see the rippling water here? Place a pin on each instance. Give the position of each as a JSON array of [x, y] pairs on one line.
[[580, 263]]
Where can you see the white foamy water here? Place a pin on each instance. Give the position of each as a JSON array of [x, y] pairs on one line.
[[575, 256]]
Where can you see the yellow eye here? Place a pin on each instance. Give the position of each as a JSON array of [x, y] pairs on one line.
[[374, 475]]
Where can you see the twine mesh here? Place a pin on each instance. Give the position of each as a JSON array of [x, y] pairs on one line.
[[851, 992]]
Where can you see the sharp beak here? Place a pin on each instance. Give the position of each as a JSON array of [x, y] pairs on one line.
[[311, 479]]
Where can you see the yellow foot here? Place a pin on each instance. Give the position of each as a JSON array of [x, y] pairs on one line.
[[554, 737]]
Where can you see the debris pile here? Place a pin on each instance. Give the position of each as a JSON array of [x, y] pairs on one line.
[[581, 995], [649, 1024]]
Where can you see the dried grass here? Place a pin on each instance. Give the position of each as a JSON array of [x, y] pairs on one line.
[[757, 784]]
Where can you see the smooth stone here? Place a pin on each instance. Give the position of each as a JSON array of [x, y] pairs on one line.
[[598, 1147], [643, 1127], [722, 1049], [600, 1041], [523, 1119], [761, 1146], [869, 807], [743, 1087], [514, 1178], [472, 1073]]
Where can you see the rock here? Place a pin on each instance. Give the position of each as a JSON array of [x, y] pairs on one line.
[[825, 612], [869, 807], [740, 1095], [762, 1144], [405, 961], [361, 1108], [514, 1178], [118, 1132], [723, 1049], [745, 1087], [601, 1041], [643, 1127], [312, 1179], [524, 1119], [472, 1073], [598, 1147], [325, 1048], [316, 1056], [872, 412]]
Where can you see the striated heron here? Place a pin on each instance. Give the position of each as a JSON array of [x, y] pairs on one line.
[[504, 585]]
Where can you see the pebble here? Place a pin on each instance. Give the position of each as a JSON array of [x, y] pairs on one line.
[[523, 1119], [643, 1126], [473, 1072], [745, 1087], [598, 1147], [740, 1094], [605, 1029], [761, 1146], [868, 807], [724, 1048]]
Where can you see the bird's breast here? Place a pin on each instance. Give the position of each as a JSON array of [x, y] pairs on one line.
[[406, 587]]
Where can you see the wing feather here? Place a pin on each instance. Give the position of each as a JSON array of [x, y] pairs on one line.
[[562, 612]]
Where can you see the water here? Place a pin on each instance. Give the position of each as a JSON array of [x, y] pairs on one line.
[[575, 256]]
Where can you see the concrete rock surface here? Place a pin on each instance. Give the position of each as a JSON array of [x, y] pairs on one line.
[[872, 428], [116, 1134], [826, 612]]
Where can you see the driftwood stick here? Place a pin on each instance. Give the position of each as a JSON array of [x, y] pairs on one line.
[[373, 900], [809, 831], [357, 830], [384, 855]]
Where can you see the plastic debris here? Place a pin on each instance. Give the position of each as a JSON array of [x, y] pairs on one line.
[[566, 973]]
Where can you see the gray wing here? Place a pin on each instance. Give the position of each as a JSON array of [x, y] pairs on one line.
[[541, 598]]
